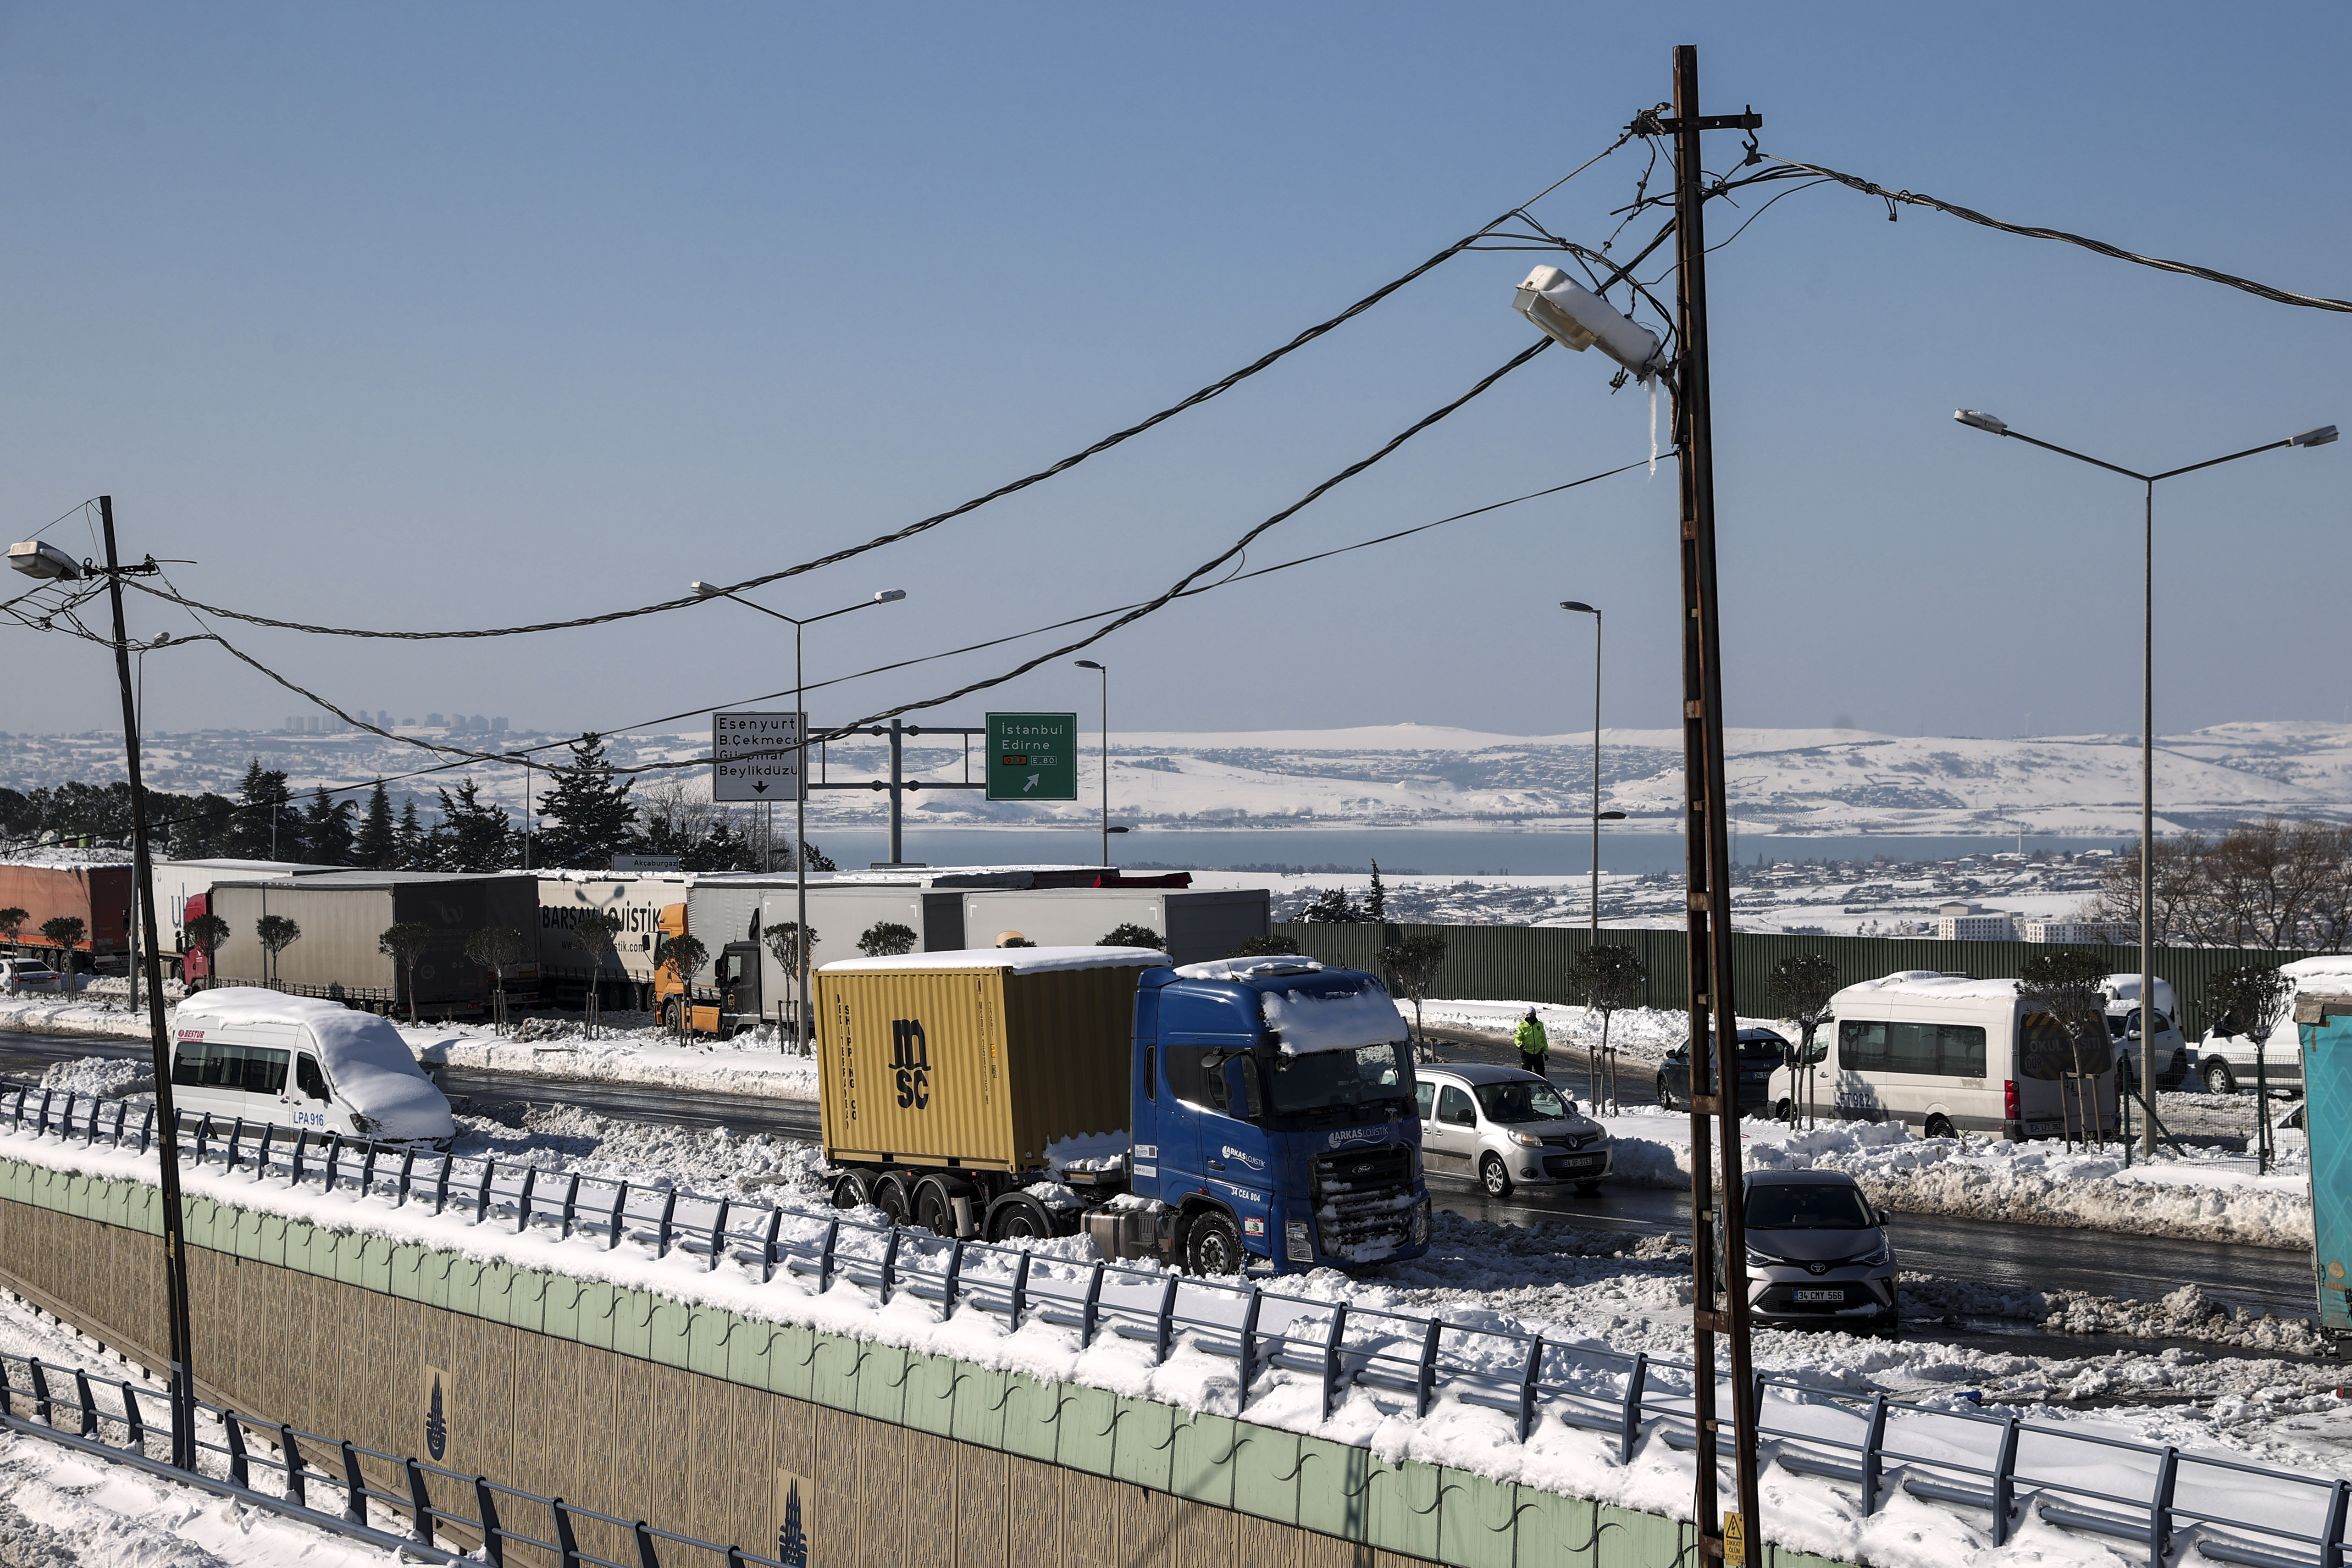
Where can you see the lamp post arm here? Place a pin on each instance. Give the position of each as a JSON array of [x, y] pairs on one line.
[[2213, 462], [2095, 462]]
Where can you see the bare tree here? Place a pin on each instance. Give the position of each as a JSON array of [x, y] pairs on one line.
[[783, 939], [1800, 986], [276, 933], [12, 924], [404, 944], [1413, 967], [2066, 985], [1609, 979], [2251, 1003], [2271, 884], [497, 949], [591, 935]]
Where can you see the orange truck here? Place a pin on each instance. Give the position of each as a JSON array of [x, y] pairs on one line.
[[96, 895], [725, 1004]]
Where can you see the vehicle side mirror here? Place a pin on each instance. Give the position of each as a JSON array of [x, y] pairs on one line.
[[1240, 1086], [1884, 1217]]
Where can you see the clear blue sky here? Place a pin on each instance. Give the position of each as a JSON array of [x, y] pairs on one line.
[[443, 316]]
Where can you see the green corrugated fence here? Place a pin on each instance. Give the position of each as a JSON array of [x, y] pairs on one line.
[[1535, 963]]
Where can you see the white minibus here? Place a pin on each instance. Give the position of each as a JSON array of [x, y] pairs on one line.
[[1950, 1055], [301, 1061]]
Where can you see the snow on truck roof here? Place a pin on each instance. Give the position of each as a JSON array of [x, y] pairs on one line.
[[1019, 959]]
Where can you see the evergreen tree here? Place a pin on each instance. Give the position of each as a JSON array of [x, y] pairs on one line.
[[472, 834], [266, 825], [327, 830], [202, 829], [377, 845], [1376, 899], [411, 846], [586, 817]]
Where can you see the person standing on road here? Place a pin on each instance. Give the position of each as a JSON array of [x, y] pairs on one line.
[[1533, 1042]]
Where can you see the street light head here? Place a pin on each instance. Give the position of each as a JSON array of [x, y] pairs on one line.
[[1609, 816], [890, 595], [1978, 419], [2319, 437], [39, 558], [707, 590], [1578, 606], [1117, 828], [1086, 664], [1574, 317]]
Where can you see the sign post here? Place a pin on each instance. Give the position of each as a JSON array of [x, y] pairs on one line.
[[1032, 756], [756, 756]]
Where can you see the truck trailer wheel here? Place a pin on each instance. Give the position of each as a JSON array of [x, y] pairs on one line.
[[1017, 1216], [935, 1199], [1214, 1244], [891, 1197], [854, 1189]]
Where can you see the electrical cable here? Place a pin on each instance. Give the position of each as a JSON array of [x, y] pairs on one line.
[[1892, 199], [1126, 615], [1213, 389]]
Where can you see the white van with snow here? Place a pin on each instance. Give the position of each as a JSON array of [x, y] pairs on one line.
[[301, 1061], [1951, 1055], [2226, 1061]]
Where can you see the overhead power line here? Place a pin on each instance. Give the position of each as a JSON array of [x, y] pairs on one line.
[[1792, 169], [1213, 389], [1125, 617]]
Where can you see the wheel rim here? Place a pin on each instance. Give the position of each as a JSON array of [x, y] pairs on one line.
[[1493, 1176], [1215, 1253], [932, 1213], [1019, 1224]]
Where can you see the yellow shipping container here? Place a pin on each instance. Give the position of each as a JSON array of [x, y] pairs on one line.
[[980, 1060]]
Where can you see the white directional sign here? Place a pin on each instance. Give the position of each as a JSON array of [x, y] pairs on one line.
[[755, 756]]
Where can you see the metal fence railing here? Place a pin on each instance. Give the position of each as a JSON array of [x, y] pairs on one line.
[[442, 1514], [2260, 1515]]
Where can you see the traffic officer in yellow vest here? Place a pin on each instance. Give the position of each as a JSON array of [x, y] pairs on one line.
[[1533, 1043]]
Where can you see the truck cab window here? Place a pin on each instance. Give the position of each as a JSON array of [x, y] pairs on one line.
[[307, 1078]]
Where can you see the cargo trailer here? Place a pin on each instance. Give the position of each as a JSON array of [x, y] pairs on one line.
[[97, 895], [1194, 925], [2322, 1026], [342, 916]]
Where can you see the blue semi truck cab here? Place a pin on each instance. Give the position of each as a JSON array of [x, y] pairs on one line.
[[1273, 1123]]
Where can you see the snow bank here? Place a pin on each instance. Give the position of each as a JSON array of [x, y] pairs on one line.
[[2204, 1195]]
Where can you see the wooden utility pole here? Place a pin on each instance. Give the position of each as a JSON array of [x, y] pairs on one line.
[[1719, 1242], [167, 1141]]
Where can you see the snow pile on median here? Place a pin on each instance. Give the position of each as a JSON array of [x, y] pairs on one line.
[[2204, 1195]]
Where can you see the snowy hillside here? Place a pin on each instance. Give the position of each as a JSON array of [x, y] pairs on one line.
[[1785, 781]]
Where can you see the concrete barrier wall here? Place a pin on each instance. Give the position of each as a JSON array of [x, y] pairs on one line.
[[705, 1422]]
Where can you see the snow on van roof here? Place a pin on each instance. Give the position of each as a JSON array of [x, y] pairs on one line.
[[259, 1004], [2316, 973], [1928, 984], [1019, 959]]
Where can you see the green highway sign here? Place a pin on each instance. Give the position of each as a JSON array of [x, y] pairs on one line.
[[1032, 756]]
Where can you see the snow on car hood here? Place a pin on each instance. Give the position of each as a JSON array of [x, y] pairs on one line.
[[1310, 1022]]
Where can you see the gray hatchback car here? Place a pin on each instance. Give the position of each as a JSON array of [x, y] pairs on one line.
[[1818, 1253], [1505, 1126]]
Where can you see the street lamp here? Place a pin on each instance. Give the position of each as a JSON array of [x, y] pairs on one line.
[[1578, 606], [1978, 419], [1106, 828], [799, 771]]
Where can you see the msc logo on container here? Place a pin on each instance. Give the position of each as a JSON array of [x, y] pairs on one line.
[[910, 1063]]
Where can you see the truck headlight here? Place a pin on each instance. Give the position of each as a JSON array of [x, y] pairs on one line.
[[1298, 1241]]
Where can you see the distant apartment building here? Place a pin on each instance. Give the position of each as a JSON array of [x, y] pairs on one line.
[[2094, 931], [1974, 923]]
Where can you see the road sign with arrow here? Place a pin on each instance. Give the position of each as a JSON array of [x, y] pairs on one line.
[[756, 756], [1032, 756]]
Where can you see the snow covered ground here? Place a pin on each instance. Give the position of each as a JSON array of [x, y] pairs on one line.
[[58, 1508]]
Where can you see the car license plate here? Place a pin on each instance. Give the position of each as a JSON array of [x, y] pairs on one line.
[[1576, 1161], [1812, 1296]]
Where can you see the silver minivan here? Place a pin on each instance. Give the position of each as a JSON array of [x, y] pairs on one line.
[[301, 1061], [1506, 1127]]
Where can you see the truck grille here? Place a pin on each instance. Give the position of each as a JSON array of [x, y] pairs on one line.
[[1363, 1201]]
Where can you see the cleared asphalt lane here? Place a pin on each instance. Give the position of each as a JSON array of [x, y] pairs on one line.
[[1987, 1252]]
